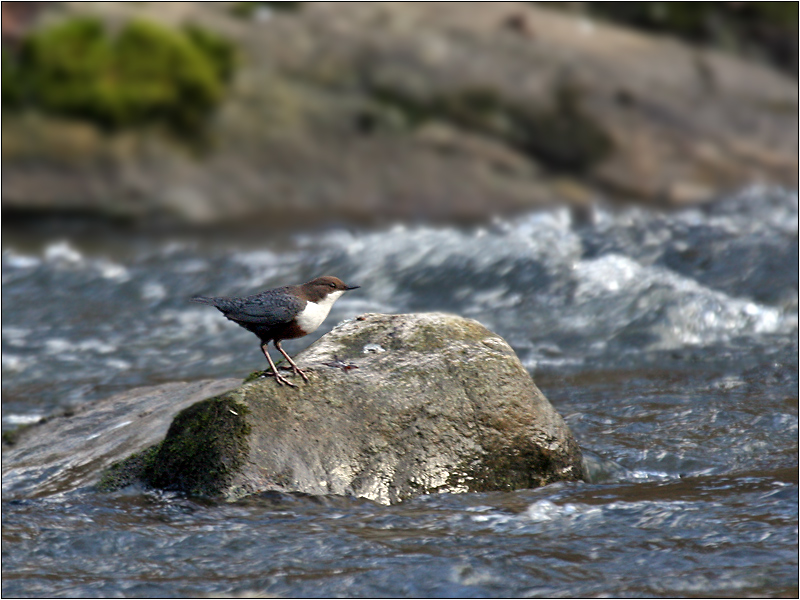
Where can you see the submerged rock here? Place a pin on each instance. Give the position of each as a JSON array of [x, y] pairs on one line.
[[397, 406], [69, 452]]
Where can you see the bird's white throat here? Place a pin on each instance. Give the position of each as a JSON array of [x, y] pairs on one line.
[[314, 313]]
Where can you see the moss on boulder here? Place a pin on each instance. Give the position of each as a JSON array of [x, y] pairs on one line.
[[204, 448], [129, 471], [146, 73]]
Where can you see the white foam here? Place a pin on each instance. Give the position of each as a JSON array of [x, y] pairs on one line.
[[63, 252], [26, 419], [545, 511], [19, 261]]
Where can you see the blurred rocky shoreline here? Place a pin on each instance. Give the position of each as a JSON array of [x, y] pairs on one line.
[[437, 111]]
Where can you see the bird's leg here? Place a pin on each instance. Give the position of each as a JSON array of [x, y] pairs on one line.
[[295, 368], [278, 377]]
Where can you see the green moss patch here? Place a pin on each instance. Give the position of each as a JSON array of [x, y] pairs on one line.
[[146, 73], [11, 437], [254, 376], [204, 448], [127, 472]]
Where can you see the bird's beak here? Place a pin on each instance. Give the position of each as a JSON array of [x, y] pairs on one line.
[[351, 287]]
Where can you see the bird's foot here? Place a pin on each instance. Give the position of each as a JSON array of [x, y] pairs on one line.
[[279, 378], [296, 370], [283, 381], [301, 373]]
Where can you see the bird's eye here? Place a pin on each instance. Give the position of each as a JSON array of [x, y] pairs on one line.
[[333, 285]]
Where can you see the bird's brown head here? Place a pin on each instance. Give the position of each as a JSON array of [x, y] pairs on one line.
[[321, 287]]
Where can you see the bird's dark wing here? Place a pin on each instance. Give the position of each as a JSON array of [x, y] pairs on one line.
[[269, 309]]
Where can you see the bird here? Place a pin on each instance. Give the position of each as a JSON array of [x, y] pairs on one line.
[[283, 313]]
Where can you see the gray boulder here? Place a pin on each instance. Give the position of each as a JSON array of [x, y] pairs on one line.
[[397, 406]]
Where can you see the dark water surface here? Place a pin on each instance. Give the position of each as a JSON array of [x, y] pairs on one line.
[[669, 343]]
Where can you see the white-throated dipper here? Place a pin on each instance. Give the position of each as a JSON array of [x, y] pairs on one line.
[[284, 313]]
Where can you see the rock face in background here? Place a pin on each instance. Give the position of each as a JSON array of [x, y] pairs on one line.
[[404, 110], [397, 406]]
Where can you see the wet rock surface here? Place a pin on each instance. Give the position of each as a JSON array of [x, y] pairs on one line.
[[69, 452], [397, 406]]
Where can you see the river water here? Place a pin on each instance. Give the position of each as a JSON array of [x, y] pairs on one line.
[[669, 343]]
